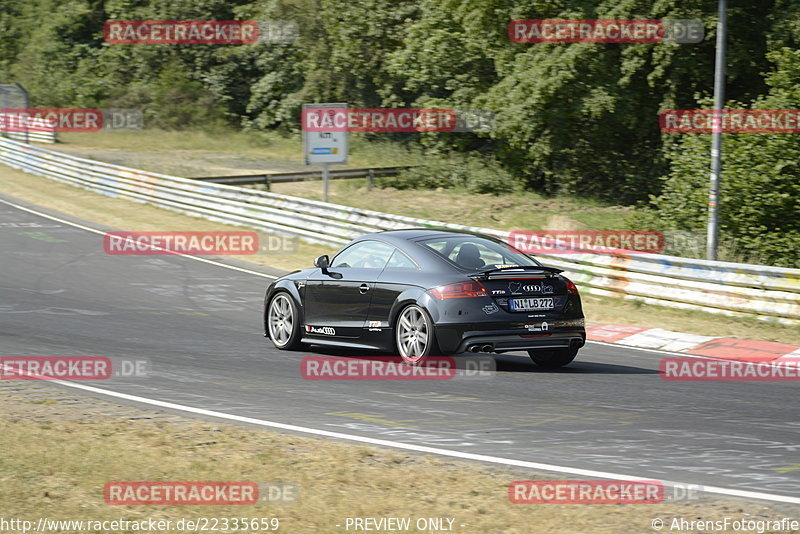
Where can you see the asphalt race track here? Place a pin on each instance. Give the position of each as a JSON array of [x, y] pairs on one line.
[[198, 324]]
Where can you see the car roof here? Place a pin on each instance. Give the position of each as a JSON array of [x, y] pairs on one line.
[[408, 241], [419, 234]]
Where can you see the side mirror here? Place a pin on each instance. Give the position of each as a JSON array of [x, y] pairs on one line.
[[323, 262]]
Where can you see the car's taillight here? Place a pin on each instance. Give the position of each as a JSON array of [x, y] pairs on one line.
[[571, 289], [461, 290]]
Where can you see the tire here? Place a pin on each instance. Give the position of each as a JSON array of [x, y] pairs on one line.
[[552, 358], [414, 335], [283, 322]]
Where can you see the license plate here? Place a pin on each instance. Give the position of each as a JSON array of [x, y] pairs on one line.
[[532, 304]]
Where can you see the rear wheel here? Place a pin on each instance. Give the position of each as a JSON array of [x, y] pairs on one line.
[[283, 322], [414, 334], [552, 358]]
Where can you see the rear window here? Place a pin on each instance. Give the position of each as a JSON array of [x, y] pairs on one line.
[[478, 253]]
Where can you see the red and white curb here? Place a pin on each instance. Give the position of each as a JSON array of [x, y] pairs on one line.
[[726, 348]]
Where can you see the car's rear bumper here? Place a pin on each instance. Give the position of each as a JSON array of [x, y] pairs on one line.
[[464, 338]]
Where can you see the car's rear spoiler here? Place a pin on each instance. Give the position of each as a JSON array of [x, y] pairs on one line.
[[510, 273]]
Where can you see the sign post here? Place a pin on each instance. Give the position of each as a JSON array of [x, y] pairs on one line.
[[325, 137], [712, 232], [326, 176]]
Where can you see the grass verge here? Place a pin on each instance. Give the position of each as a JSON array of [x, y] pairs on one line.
[[194, 151], [518, 211]]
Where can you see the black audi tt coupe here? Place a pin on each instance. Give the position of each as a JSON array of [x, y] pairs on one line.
[[422, 292]]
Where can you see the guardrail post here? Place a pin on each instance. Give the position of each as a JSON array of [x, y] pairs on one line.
[[268, 182], [370, 179]]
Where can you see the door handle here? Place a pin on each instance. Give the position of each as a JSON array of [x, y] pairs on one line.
[[363, 288]]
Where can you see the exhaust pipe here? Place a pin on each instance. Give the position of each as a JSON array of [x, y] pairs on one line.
[[474, 348], [487, 348]]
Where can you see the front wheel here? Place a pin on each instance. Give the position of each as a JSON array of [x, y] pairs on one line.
[[414, 334], [283, 322], [552, 358]]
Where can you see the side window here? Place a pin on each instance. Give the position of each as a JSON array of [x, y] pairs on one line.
[[401, 261], [364, 255]]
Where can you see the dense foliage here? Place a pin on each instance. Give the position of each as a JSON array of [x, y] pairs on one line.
[[571, 118]]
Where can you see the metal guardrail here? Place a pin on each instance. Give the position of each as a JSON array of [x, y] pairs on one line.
[[301, 176], [37, 134], [755, 291]]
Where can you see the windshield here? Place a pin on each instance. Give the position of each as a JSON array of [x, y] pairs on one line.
[[478, 253]]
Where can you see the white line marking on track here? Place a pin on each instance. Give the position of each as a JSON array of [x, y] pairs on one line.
[[96, 231], [388, 443]]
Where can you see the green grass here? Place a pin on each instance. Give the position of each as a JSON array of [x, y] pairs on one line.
[[196, 153], [518, 211], [264, 145]]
